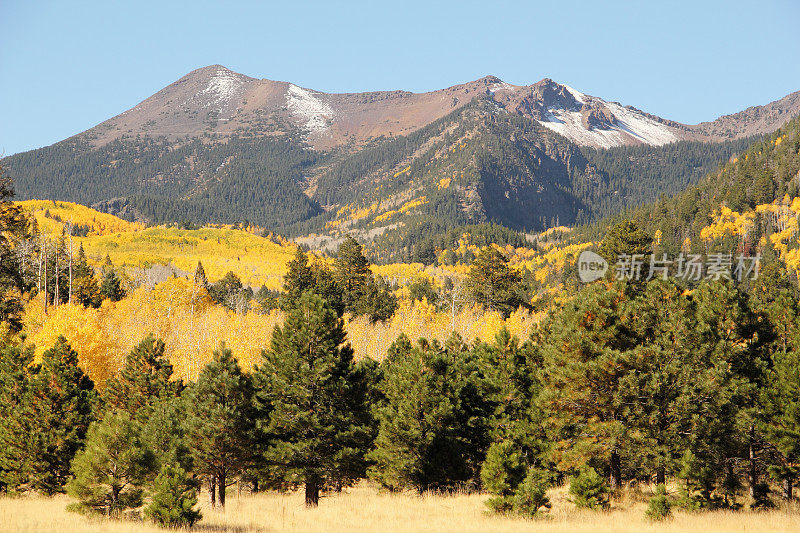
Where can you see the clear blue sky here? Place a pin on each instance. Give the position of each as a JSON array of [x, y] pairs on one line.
[[66, 66]]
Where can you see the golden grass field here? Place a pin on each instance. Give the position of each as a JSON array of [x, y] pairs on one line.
[[364, 509]]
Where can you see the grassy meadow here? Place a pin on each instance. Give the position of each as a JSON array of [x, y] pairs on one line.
[[363, 508]]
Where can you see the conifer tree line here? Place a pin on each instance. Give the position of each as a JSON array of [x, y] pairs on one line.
[[692, 387], [695, 387]]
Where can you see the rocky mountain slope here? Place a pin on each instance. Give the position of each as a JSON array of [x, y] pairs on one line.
[[217, 100], [218, 146]]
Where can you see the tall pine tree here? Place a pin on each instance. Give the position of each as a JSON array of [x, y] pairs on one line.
[[219, 421], [312, 406], [143, 380], [60, 401]]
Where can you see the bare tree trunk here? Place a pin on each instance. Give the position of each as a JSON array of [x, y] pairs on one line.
[[70, 263], [787, 488], [212, 491], [616, 471], [221, 486], [752, 473], [39, 278], [56, 295], [661, 475], [44, 245], [312, 492]]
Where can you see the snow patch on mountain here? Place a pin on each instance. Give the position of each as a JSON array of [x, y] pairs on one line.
[[500, 86], [221, 89], [568, 124], [642, 127], [629, 124], [312, 112], [576, 94]]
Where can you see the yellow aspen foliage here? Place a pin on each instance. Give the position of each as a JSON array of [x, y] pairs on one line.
[[84, 329], [400, 173], [405, 208], [728, 222], [61, 213], [176, 311], [784, 218], [421, 319], [255, 259]]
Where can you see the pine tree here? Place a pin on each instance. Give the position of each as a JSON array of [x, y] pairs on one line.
[[143, 380], [360, 292], [659, 507], [659, 382], [325, 286], [60, 401], [625, 238], [173, 499], [587, 353], [111, 471], [111, 287], [164, 432], [717, 410], [312, 407], [493, 284], [352, 274], [219, 420], [502, 473], [15, 227], [434, 422], [17, 425], [298, 279], [200, 278], [379, 303], [531, 494], [732, 348], [781, 394], [85, 289], [228, 291], [519, 446], [589, 490]]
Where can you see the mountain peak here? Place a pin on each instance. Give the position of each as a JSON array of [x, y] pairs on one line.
[[490, 79], [216, 99]]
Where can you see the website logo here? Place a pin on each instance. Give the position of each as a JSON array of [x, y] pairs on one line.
[[591, 266]]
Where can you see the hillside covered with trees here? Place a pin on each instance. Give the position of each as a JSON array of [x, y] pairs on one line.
[[474, 166]]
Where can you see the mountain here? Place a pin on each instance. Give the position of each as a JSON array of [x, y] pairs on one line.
[[217, 100], [393, 166], [760, 183]]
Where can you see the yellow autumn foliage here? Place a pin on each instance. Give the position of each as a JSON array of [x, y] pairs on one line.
[[420, 319], [182, 314], [405, 208], [79, 215], [255, 259], [728, 222], [177, 311]]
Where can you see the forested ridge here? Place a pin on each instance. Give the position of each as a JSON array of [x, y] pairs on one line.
[[255, 179], [766, 173], [475, 166]]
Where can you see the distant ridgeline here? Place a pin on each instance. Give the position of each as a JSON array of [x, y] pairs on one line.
[[246, 179], [409, 194], [751, 203]]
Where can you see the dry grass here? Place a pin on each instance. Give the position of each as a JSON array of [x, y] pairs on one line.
[[364, 509]]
